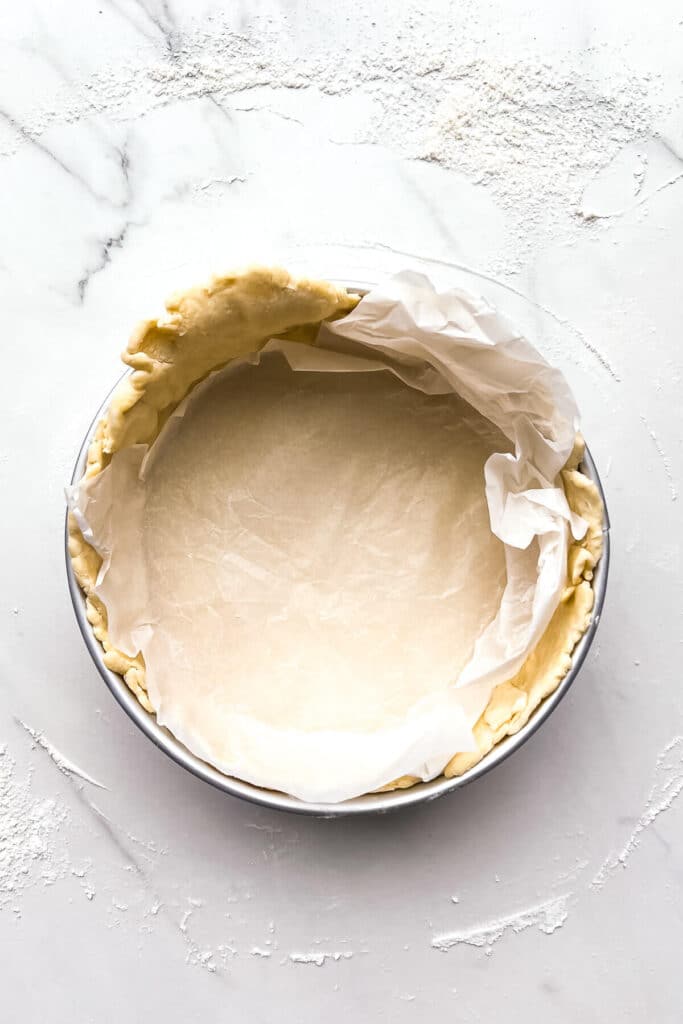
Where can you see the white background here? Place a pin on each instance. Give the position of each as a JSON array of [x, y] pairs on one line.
[[146, 143]]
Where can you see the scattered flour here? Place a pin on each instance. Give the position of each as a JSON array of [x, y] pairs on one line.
[[547, 917], [196, 956], [533, 132], [30, 849], [64, 764], [319, 958], [552, 914], [667, 787], [664, 459]]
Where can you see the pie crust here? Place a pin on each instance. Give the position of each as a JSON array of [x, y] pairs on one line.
[[207, 328]]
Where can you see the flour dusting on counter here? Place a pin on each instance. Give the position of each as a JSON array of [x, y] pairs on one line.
[[667, 787], [65, 766], [664, 458], [30, 850], [511, 126], [531, 129], [318, 959], [259, 951], [547, 917]]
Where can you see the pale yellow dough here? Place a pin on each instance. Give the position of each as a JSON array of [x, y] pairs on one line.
[[207, 328]]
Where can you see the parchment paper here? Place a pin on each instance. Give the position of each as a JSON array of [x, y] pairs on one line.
[[416, 704]]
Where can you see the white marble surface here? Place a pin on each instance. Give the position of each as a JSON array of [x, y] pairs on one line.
[[526, 149]]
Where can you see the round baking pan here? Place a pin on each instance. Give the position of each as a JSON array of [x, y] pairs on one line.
[[371, 802]]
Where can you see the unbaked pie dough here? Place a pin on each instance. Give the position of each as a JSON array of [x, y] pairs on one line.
[[382, 482]]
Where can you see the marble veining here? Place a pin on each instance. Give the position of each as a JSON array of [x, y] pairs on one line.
[[528, 151]]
